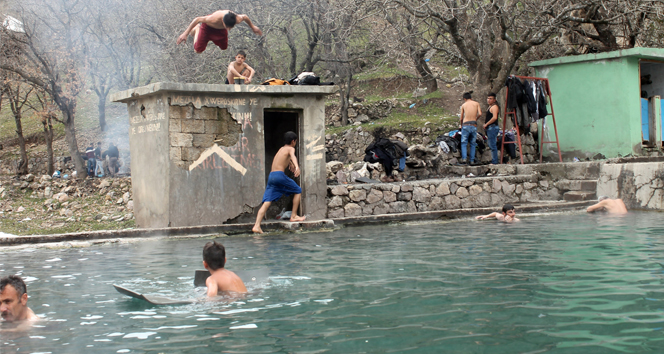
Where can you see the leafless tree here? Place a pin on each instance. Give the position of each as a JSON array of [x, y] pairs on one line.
[[612, 24], [490, 36], [49, 50], [46, 111], [417, 40], [17, 93]]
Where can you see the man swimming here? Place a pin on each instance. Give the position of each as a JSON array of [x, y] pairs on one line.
[[508, 214], [612, 206], [278, 184], [220, 279], [14, 300], [214, 28]]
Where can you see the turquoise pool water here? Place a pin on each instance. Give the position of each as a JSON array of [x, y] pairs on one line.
[[553, 283]]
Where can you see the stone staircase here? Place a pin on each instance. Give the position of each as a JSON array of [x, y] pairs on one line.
[[577, 190]]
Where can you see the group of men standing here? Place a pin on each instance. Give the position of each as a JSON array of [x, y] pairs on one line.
[[470, 112], [95, 157]]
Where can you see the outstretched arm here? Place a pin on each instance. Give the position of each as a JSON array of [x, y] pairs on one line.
[[245, 18], [482, 217], [597, 206], [185, 34]]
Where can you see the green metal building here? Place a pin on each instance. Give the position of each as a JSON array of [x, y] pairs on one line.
[[607, 103]]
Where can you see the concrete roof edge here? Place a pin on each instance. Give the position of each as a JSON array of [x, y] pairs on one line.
[[640, 52], [194, 88]]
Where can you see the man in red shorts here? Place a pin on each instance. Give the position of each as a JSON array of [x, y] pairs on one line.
[[215, 28]]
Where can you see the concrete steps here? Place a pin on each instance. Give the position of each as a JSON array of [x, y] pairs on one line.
[[577, 190], [575, 196]]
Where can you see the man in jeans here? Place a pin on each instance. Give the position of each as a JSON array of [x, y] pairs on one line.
[[470, 111], [491, 126]]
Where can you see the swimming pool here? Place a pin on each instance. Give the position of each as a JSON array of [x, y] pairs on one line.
[[570, 283]]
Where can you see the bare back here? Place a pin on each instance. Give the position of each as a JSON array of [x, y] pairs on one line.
[[470, 111], [283, 158], [216, 19], [612, 206], [223, 280]]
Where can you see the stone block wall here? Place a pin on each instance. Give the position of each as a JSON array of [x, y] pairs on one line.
[[425, 161], [361, 112], [639, 185], [193, 130], [431, 195]]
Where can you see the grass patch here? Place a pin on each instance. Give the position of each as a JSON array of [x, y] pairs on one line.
[[407, 118], [383, 72], [33, 227]]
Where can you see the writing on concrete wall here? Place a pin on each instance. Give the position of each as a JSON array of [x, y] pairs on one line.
[[144, 124], [208, 101]]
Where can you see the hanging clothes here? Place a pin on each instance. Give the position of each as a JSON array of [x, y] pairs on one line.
[[541, 100]]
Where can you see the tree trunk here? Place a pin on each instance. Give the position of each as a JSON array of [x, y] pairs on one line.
[[70, 136], [101, 105], [23, 166], [344, 96], [48, 136], [424, 71]]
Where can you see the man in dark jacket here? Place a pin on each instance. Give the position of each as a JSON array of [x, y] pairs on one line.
[[113, 155]]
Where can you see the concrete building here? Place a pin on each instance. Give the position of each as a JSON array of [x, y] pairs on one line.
[[597, 100], [201, 154]]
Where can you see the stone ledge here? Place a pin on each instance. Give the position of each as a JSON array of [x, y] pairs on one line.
[[455, 213], [228, 229], [231, 229]]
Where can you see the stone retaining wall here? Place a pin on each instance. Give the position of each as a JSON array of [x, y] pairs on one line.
[[425, 161], [432, 195], [37, 165], [639, 185]]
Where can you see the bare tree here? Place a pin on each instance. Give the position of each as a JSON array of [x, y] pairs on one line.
[[49, 49], [416, 38], [18, 93], [490, 36], [611, 24]]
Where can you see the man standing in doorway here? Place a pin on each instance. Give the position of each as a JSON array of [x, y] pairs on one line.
[[214, 28], [470, 111], [278, 184], [491, 126]]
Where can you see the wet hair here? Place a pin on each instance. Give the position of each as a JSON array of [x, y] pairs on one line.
[[507, 207], [214, 254], [491, 94], [289, 137], [242, 53], [16, 282], [467, 95], [602, 197], [230, 19]]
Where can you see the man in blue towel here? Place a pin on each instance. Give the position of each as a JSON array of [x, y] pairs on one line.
[[278, 184]]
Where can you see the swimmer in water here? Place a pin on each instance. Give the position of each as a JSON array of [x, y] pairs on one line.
[[508, 214], [14, 302], [220, 279], [612, 206]]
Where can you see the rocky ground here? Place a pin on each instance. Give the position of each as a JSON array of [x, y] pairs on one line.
[[43, 205]]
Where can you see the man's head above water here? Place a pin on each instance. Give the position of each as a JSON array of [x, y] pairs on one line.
[[14, 300], [508, 209]]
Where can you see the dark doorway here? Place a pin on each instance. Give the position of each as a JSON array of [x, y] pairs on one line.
[[276, 124]]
